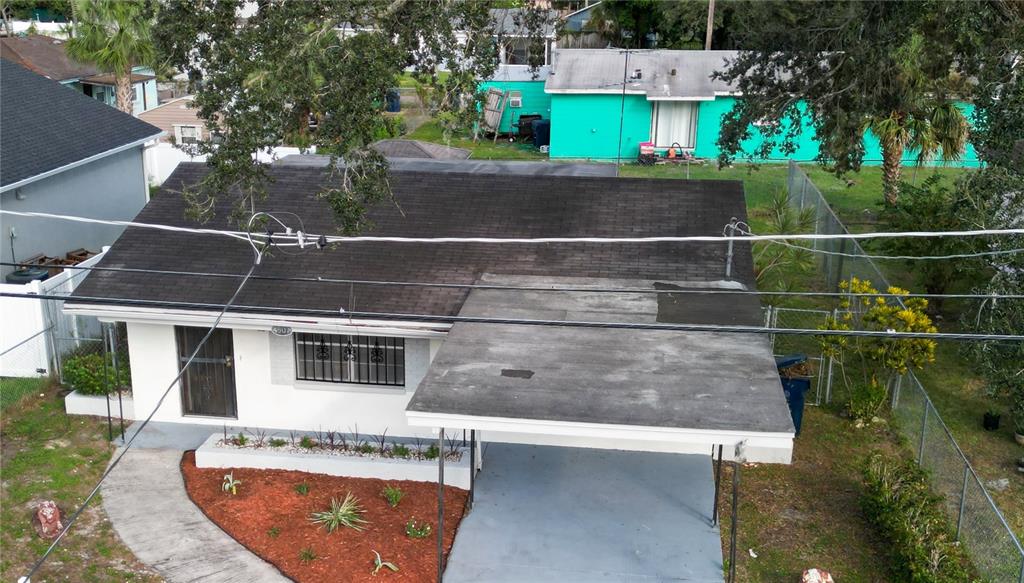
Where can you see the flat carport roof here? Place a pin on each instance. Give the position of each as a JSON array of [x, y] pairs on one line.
[[643, 390]]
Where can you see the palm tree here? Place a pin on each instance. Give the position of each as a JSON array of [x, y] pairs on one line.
[[114, 35], [942, 128]]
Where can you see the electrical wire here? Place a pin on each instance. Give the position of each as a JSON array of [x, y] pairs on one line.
[[341, 314], [240, 235], [92, 494], [537, 288], [896, 257], [300, 239]]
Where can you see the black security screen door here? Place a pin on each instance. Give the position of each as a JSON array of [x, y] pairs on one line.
[[208, 386]]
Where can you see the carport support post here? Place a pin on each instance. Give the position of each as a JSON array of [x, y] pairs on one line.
[[440, 504], [472, 466], [718, 480]]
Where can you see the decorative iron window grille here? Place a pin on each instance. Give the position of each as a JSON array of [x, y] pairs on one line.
[[337, 358]]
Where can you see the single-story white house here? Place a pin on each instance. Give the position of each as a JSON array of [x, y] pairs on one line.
[[299, 353], [588, 369]]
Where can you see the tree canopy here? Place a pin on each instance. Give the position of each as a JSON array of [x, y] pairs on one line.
[[260, 81], [895, 67], [115, 36]]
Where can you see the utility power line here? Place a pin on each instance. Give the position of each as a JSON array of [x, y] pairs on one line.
[[537, 288], [301, 239], [446, 319]]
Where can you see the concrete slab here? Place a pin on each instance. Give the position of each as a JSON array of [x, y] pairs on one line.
[[568, 515]]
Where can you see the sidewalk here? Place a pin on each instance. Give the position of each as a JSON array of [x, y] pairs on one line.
[[146, 501]]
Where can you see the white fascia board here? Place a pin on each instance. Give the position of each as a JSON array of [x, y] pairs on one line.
[[780, 441], [81, 162], [241, 321], [681, 98], [594, 91], [728, 94]]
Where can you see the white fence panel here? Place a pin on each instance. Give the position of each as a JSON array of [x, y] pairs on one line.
[[23, 320], [26, 351], [162, 158]]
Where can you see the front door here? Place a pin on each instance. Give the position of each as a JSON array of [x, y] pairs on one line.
[[208, 386]]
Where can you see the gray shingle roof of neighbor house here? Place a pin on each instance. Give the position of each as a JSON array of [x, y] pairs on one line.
[[664, 74], [418, 149], [45, 126], [429, 204]]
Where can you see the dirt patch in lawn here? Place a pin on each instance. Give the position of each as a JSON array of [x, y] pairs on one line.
[[270, 518]]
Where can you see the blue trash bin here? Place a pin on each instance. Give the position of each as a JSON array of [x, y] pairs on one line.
[[794, 388], [541, 132], [393, 101]]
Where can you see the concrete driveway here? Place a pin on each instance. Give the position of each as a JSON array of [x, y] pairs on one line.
[[547, 514]]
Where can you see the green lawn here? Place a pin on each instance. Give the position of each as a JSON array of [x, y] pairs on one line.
[[13, 389], [483, 149], [808, 514], [47, 455]]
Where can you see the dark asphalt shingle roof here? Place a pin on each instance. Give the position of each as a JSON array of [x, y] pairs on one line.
[[432, 205], [45, 125]]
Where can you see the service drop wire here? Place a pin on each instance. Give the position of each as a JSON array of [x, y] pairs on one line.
[[35, 566]]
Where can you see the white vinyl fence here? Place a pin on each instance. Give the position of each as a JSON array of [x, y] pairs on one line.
[[161, 158], [30, 327]]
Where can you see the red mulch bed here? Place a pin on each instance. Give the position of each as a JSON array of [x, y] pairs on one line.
[[267, 498]]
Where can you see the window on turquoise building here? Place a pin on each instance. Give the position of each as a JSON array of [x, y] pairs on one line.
[[675, 122]]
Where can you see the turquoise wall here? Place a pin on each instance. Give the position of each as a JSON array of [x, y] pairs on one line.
[[587, 126], [535, 101], [709, 118]]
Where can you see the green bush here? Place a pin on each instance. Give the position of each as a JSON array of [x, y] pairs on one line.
[[898, 499], [84, 373], [867, 400]]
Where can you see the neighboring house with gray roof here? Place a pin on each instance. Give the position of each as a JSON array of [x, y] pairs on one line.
[[48, 57], [64, 153], [604, 104]]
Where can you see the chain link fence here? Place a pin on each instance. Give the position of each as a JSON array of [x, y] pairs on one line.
[[980, 525], [787, 344], [19, 371]]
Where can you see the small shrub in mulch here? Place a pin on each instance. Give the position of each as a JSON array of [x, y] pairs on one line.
[[303, 550]]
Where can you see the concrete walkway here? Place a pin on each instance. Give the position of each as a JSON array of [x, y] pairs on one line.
[[568, 515], [146, 501]]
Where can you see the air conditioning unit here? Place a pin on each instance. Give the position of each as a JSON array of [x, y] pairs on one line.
[[515, 100]]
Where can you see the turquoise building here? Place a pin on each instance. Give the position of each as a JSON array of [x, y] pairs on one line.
[[668, 99], [525, 94]]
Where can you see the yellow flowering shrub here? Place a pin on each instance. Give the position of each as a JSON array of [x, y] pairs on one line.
[[880, 356]]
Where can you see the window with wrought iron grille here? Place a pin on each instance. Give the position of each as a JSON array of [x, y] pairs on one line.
[[337, 358]]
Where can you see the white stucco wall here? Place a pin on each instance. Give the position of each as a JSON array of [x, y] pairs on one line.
[[267, 393]]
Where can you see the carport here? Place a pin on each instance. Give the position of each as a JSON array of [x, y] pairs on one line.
[[628, 389]]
